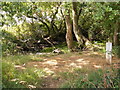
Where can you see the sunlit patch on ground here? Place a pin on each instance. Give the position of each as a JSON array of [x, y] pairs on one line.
[[48, 71], [79, 60], [35, 65], [82, 62], [97, 66], [31, 86], [19, 67], [53, 65], [66, 62], [51, 62]]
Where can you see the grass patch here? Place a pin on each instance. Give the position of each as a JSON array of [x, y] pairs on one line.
[[13, 78], [62, 47], [31, 76], [91, 79], [17, 59], [47, 49], [21, 59]]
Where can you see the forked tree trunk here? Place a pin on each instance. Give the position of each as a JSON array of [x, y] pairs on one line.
[[83, 42], [69, 37], [75, 23]]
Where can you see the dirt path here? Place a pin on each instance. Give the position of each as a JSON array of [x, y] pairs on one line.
[[68, 62]]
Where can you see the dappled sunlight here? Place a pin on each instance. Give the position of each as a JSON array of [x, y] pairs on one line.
[[19, 67], [60, 63], [43, 53], [63, 61], [97, 66], [14, 79], [35, 65], [79, 60], [51, 62], [58, 58], [45, 59], [78, 66], [82, 62], [48, 71], [93, 53], [22, 82], [74, 65], [31, 86]]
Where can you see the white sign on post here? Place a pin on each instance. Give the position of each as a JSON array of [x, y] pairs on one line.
[[109, 52]]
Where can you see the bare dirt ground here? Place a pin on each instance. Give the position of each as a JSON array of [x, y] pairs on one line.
[[68, 62]]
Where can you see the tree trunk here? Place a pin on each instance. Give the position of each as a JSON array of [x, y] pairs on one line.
[[76, 30], [116, 39], [116, 35], [75, 23], [83, 42], [69, 37]]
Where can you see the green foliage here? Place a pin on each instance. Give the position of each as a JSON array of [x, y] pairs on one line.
[[93, 79], [97, 23], [61, 46], [8, 73], [21, 59], [31, 76], [99, 46], [116, 51], [47, 49], [7, 70], [7, 43], [13, 78]]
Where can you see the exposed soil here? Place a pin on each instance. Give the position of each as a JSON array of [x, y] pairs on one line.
[[68, 62]]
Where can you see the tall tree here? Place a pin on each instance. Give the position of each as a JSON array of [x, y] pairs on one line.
[[83, 42], [116, 34], [69, 37]]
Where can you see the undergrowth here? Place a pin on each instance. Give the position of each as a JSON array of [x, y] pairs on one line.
[[21, 78], [62, 47], [91, 79], [28, 78]]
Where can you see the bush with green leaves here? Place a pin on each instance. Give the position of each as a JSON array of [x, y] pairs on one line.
[[8, 45], [116, 51], [9, 73]]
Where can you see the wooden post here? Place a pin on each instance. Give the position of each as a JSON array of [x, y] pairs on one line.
[[109, 52]]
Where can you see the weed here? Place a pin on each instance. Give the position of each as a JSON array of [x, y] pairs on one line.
[[17, 59], [116, 51], [20, 79], [94, 79]]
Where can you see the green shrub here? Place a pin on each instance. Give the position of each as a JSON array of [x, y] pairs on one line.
[[8, 45], [116, 51], [9, 73], [12, 78], [7, 70]]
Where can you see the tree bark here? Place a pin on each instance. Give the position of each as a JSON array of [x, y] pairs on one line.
[[76, 30], [69, 37], [116, 34], [82, 41]]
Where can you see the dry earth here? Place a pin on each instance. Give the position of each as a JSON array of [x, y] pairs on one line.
[[68, 62]]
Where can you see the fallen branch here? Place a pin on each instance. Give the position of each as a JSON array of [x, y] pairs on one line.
[[47, 39]]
